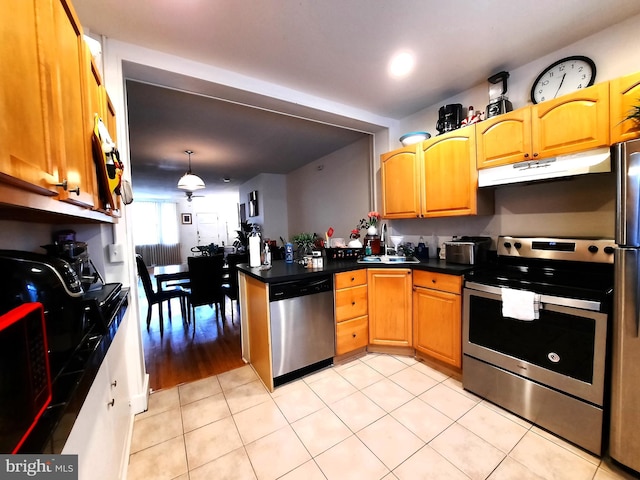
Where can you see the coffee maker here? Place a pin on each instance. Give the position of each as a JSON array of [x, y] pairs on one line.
[[498, 101], [449, 117]]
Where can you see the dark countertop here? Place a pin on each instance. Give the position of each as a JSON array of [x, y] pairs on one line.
[[281, 271]]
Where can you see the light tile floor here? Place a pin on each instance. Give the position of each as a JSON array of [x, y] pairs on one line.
[[377, 417]]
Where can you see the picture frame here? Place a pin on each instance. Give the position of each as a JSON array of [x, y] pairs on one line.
[[242, 212], [186, 218], [253, 204]]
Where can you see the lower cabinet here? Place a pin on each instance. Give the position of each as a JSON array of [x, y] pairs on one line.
[[352, 320], [390, 306], [437, 316], [100, 433]]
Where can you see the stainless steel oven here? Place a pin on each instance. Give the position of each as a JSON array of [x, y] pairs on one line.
[[535, 329]]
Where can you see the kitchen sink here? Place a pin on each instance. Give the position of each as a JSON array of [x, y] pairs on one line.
[[387, 259]]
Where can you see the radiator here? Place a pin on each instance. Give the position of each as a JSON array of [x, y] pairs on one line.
[[160, 254]]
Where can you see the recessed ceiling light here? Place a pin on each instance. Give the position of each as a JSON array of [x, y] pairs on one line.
[[402, 64], [226, 179]]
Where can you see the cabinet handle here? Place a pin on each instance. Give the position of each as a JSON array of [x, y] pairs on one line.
[[114, 383], [65, 185], [111, 403]]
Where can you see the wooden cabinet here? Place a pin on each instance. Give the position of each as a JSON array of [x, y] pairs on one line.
[[27, 157], [77, 168], [624, 94], [450, 178], [352, 321], [46, 161], [437, 316], [436, 178], [568, 124], [100, 433], [390, 306], [401, 187]]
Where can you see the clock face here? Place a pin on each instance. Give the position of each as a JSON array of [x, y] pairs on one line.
[[564, 76]]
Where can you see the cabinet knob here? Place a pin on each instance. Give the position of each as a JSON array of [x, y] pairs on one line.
[[526, 155], [114, 383], [353, 279], [535, 155], [433, 280], [353, 303], [354, 335], [111, 403], [65, 185]]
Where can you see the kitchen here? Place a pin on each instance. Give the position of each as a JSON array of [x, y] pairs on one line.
[[589, 201]]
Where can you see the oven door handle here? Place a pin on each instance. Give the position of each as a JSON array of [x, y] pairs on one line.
[[592, 305]]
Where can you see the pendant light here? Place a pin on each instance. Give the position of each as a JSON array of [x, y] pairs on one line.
[[189, 181]]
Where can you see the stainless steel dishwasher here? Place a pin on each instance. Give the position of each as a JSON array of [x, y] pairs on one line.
[[302, 326]]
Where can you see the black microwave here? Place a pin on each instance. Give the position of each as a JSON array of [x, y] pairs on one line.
[[25, 376]]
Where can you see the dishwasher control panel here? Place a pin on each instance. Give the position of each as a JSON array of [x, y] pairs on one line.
[[299, 288]]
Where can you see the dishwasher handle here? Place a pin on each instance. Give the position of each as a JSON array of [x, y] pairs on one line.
[[299, 288]]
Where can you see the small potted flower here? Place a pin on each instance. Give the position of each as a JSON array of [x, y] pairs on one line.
[[374, 218], [355, 238]]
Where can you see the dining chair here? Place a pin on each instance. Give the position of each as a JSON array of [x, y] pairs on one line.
[[160, 296], [205, 280], [230, 287]]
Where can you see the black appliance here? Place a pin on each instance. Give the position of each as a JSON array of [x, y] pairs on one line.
[[535, 332], [25, 379], [77, 324], [449, 117], [498, 101]]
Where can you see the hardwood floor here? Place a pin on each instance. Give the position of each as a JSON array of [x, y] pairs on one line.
[[184, 356]]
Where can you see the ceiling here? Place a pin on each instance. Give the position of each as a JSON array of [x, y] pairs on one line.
[[336, 50]]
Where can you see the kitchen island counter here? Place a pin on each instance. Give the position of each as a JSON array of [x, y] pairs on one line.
[[281, 271]]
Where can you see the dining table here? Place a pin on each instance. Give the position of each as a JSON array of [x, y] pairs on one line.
[[170, 273]]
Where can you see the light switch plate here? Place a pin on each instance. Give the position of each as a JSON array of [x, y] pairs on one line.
[[116, 252]]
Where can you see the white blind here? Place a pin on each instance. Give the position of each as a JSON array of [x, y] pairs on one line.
[[155, 223]]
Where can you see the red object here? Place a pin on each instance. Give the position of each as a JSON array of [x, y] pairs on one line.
[[25, 376], [330, 232]]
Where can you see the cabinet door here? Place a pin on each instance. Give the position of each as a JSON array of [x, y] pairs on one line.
[[70, 106], [624, 94], [504, 139], [27, 159], [400, 176], [390, 306], [574, 122], [437, 325], [449, 174]]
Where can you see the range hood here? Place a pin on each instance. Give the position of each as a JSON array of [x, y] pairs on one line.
[[591, 161]]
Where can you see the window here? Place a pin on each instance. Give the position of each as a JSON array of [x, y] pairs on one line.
[[155, 223]]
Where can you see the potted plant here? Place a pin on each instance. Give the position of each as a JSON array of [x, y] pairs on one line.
[[634, 114], [242, 236], [304, 243]]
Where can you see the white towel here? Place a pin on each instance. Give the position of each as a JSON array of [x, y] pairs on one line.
[[520, 304]]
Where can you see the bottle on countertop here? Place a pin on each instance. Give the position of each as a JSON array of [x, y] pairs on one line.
[[267, 254], [422, 250], [367, 250], [254, 248]]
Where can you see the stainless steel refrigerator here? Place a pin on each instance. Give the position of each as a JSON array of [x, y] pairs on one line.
[[624, 444]]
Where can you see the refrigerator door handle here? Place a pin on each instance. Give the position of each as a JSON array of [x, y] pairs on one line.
[[627, 293]]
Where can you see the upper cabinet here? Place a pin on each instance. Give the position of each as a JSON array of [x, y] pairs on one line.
[[568, 124], [28, 158], [46, 161], [435, 178], [77, 168], [401, 188], [624, 95]]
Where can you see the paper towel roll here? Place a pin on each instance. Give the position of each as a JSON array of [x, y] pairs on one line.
[[254, 251]]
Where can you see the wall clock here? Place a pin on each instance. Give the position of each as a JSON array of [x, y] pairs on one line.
[[564, 76]]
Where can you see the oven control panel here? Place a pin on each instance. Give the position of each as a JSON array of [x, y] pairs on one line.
[[572, 249]]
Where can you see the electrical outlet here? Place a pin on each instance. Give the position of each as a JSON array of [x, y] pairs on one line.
[[116, 252]]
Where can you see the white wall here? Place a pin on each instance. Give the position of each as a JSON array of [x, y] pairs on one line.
[[333, 191], [272, 204], [579, 207], [222, 205]]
